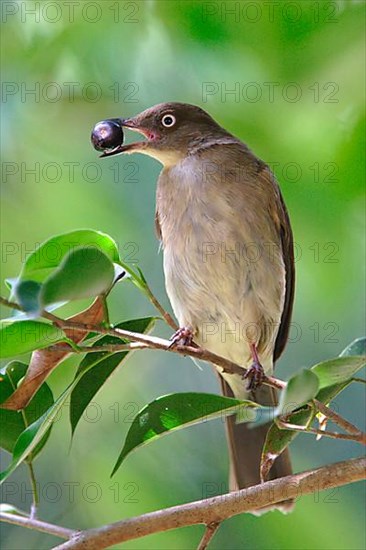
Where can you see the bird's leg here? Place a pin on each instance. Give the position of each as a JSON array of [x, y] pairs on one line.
[[255, 373], [183, 336]]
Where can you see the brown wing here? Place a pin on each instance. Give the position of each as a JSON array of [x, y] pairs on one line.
[[286, 237], [281, 218]]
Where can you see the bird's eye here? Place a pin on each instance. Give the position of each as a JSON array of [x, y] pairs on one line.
[[168, 121]]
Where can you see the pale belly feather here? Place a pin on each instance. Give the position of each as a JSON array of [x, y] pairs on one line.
[[221, 279]]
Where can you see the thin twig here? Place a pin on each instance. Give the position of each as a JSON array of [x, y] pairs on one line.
[[37, 525], [211, 530], [32, 476], [219, 508], [35, 503], [12, 305], [168, 318], [106, 348], [359, 438], [337, 419], [153, 342], [143, 341]]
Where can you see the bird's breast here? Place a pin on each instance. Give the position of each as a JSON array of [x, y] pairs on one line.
[[218, 280]]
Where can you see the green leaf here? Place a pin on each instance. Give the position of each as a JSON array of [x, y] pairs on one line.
[[13, 423], [39, 265], [142, 276], [30, 438], [97, 367], [357, 347], [326, 395], [338, 370], [18, 337], [277, 440], [174, 411], [264, 416], [27, 295], [83, 273], [10, 509], [300, 389]]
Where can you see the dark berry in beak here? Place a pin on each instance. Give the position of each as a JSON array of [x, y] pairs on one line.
[[107, 134]]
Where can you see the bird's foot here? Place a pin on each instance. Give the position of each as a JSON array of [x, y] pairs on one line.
[[183, 337], [255, 375]]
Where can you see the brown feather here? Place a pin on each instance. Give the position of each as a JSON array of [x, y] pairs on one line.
[[288, 257], [280, 215], [245, 449]]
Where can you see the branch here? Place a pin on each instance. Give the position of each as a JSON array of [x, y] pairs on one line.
[[152, 342], [360, 437], [209, 533], [217, 509], [37, 525], [143, 341], [337, 419], [167, 317], [12, 305]]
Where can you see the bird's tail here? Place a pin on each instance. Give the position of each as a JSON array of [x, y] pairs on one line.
[[245, 448]]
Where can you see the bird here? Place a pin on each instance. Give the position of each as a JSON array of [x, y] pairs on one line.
[[228, 260]]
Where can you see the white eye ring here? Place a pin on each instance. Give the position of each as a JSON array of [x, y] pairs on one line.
[[168, 121]]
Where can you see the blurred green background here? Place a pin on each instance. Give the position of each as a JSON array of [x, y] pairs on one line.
[[288, 79]]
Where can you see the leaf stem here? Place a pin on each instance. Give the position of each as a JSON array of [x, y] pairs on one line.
[[103, 298], [141, 283], [167, 317], [35, 503]]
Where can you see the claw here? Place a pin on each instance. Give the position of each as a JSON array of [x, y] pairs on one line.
[[183, 336], [255, 375]]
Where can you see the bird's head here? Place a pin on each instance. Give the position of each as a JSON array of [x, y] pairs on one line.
[[171, 131]]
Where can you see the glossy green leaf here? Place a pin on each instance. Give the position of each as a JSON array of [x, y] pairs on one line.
[[83, 273], [175, 411], [264, 416], [13, 423], [277, 440], [18, 337], [97, 367], [338, 370], [357, 347], [300, 389], [30, 438], [326, 395], [49, 255], [27, 295]]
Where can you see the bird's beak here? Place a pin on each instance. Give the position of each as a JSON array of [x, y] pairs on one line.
[[136, 147]]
